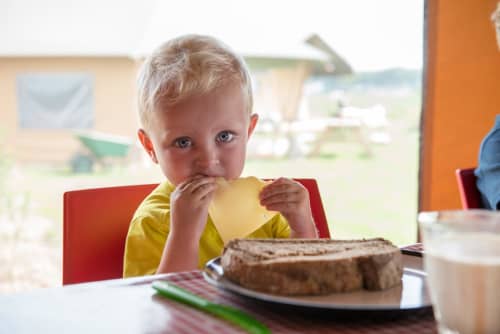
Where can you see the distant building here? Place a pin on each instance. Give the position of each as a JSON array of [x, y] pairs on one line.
[[62, 73]]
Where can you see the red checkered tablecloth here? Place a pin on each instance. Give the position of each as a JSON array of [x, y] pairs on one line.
[[132, 306], [286, 320]]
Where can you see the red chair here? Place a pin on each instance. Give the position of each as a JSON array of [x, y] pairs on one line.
[[96, 221], [470, 197], [317, 209], [95, 225]]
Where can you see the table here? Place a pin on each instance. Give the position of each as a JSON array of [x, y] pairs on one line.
[[307, 137], [132, 306]]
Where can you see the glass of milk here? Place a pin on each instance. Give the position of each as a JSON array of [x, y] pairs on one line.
[[462, 261]]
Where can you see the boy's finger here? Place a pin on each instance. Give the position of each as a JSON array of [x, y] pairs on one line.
[[284, 192], [281, 206], [198, 182], [200, 191], [281, 198], [188, 182], [205, 191], [274, 189]]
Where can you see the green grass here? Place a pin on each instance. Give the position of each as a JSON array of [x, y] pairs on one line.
[[363, 195]]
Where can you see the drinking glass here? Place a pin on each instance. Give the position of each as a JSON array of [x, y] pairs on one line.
[[462, 262]]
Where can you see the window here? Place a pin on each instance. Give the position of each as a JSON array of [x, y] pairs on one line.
[[55, 100]]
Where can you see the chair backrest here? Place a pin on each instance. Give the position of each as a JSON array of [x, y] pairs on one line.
[[95, 226], [96, 223], [317, 209], [470, 197]]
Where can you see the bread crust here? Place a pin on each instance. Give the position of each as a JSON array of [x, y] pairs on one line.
[[312, 266]]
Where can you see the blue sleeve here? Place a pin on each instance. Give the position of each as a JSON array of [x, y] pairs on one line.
[[488, 171]]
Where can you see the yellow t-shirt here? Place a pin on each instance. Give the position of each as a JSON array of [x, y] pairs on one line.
[[150, 226]]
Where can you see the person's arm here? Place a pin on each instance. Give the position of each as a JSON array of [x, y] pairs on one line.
[[188, 216], [291, 199], [180, 253], [488, 171]]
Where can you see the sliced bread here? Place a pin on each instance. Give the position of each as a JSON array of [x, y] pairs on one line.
[[312, 266]]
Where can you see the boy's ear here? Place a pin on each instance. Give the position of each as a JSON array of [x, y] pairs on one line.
[[147, 144], [253, 122]]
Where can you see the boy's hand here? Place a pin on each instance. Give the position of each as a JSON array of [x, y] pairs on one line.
[[291, 199], [188, 216], [189, 206]]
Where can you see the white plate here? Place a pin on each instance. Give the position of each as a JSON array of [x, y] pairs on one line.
[[410, 295]]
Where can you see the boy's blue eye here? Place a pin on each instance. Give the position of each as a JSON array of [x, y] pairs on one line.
[[225, 136], [182, 142]]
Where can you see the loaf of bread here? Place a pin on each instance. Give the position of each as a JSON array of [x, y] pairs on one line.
[[312, 266]]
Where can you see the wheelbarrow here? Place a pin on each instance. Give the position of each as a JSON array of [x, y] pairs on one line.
[[100, 148]]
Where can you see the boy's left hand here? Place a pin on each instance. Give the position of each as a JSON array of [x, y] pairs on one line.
[[291, 199]]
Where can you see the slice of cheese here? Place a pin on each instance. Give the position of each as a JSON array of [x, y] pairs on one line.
[[236, 210]]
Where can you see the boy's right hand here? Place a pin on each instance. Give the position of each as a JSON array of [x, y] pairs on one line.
[[189, 206]]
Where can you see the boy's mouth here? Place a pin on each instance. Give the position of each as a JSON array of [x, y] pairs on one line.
[[209, 175]]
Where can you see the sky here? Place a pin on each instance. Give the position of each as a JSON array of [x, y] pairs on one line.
[[382, 33], [370, 34]]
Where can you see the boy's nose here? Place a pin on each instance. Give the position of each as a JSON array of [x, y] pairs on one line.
[[207, 158]]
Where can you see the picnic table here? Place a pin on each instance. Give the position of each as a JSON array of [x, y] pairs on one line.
[[308, 137]]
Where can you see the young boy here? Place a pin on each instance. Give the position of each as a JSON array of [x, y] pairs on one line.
[[195, 108]]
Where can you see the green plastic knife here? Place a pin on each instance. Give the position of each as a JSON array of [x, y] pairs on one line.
[[228, 313]]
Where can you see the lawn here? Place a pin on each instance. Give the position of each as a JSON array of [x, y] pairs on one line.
[[364, 196]]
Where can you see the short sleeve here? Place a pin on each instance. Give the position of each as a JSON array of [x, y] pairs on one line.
[[281, 229], [277, 227], [144, 246]]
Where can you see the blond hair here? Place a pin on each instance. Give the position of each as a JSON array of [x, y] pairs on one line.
[[187, 66]]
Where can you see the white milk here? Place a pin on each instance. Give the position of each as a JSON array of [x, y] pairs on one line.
[[464, 278]]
